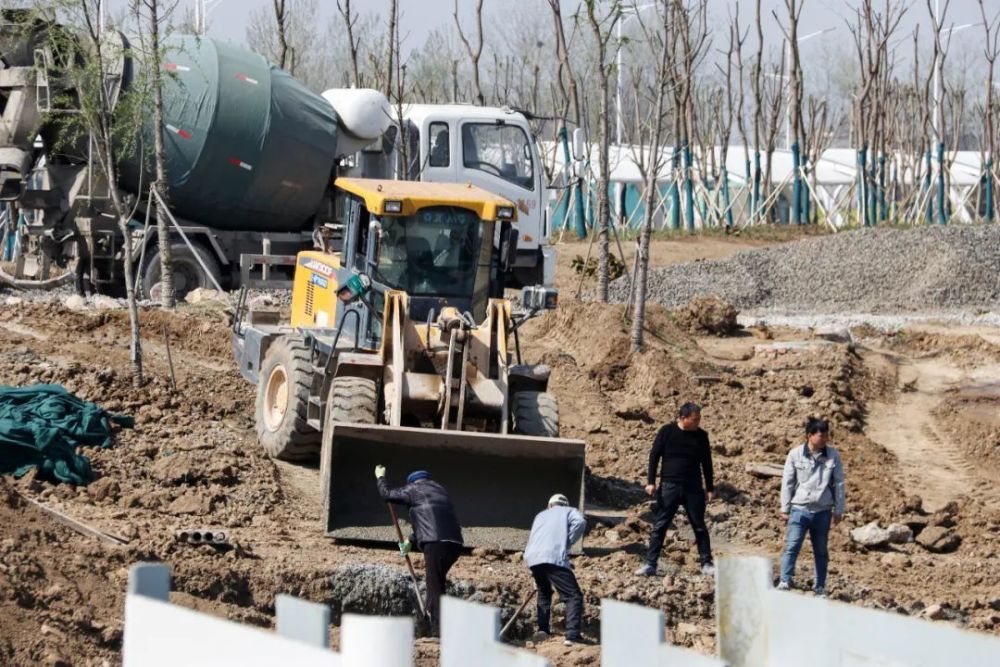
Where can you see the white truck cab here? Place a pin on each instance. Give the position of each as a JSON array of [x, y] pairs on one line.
[[489, 147]]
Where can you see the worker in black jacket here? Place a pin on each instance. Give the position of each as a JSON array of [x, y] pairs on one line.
[[436, 532], [683, 451]]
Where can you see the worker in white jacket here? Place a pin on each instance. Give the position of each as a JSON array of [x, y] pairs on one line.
[[553, 533]]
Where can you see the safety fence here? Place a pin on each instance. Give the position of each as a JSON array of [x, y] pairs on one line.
[[757, 626]]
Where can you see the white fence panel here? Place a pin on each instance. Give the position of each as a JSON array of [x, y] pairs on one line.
[[633, 635], [469, 634], [740, 584], [849, 636], [160, 634]]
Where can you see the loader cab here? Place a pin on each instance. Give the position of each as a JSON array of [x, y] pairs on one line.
[[443, 244]]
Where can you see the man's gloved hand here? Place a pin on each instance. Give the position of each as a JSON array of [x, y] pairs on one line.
[[404, 547], [379, 472]]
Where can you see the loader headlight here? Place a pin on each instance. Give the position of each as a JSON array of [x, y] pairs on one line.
[[393, 206], [354, 288], [505, 212]]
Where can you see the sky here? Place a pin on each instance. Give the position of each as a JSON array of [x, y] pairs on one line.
[[228, 18]]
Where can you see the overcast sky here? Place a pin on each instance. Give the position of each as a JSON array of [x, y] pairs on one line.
[[228, 18]]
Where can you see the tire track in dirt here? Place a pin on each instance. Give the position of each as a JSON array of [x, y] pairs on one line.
[[931, 464]]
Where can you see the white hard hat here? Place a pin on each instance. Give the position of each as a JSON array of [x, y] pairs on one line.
[[558, 499]]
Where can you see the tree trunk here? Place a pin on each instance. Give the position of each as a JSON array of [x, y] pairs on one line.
[[167, 295]]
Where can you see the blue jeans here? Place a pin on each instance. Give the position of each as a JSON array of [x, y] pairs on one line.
[[817, 524]]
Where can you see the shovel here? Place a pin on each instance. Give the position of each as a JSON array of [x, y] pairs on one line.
[[409, 563]]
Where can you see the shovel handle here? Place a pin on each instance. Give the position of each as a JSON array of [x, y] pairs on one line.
[[409, 563], [517, 613]]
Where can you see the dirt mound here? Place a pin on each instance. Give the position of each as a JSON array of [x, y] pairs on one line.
[[709, 315]]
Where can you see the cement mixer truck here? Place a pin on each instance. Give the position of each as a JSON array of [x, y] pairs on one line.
[[252, 156]]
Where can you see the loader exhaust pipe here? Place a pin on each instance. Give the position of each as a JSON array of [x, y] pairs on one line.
[[497, 482]]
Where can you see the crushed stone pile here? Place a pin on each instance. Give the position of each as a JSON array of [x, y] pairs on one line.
[[872, 270]]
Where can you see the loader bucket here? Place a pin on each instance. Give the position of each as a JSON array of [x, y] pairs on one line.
[[498, 483]]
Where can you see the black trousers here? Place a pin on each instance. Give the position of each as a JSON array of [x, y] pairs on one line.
[[438, 559], [547, 577], [671, 496]]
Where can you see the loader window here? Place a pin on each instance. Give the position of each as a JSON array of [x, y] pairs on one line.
[[439, 251], [500, 150]]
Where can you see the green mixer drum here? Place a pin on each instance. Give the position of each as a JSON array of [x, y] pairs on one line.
[[248, 147]]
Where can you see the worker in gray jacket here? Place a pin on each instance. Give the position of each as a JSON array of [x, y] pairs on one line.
[[812, 498], [553, 533]]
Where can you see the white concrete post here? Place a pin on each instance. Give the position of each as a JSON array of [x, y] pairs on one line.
[[740, 608]]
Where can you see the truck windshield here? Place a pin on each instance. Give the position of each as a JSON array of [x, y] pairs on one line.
[[439, 251], [500, 150]]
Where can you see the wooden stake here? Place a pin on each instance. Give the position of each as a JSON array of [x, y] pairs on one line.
[[170, 361]]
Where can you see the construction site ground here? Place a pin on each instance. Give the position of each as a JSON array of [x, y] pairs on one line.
[[915, 413]]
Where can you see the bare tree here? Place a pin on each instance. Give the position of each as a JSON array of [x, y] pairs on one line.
[[153, 18], [110, 120], [991, 49], [649, 156], [475, 53], [288, 35], [350, 21], [794, 8], [602, 29]]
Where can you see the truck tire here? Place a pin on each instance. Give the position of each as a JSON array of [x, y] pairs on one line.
[[352, 400], [188, 272], [535, 413], [282, 401]]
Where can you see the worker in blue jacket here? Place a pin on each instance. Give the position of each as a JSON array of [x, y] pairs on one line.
[[553, 533]]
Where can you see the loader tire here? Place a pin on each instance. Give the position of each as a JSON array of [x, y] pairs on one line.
[[282, 401], [352, 400], [535, 413]]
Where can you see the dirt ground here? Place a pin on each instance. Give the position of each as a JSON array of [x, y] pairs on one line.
[[914, 414]]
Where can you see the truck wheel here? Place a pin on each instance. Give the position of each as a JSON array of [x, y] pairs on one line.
[[352, 400], [188, 272], [535, 413], [282, 400]]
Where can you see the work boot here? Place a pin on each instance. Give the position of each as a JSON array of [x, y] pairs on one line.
[[539, 636], [784, 586], [646, 570], [820, 592], [708, 569]]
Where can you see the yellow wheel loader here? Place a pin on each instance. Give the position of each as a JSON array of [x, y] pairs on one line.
[[399, 352]]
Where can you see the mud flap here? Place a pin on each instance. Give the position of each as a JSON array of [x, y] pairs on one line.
[[498, 483]]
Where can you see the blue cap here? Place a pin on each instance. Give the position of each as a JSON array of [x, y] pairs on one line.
[[417, 475]]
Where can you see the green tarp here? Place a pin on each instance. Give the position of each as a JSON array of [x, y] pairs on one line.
[[41, 427]]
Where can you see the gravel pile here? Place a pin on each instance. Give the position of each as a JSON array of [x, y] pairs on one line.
[[874, 270]]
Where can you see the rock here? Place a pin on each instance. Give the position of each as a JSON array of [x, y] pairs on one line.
[[938, 539], [717, 513], [106, 488], [612, 536], [13, 301], [203, 294], [870, 535], [899, 533], [75, 302], [190, 503], [913, 504], [102, 302], [896, 560], [935, 612]]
